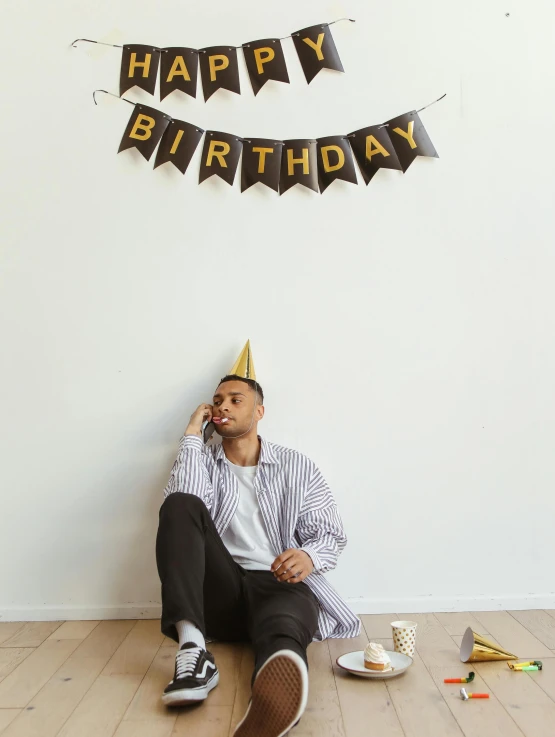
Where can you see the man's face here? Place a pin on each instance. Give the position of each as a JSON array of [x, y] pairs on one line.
[[236, 401]]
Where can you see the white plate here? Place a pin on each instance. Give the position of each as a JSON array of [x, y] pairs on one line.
[[354, 663]]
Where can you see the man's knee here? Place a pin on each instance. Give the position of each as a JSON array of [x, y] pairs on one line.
[[180, 503]]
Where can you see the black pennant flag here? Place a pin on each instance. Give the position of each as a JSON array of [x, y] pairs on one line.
[[219, 68], [410, 139], [316, 49], [374, 150], [335, 161], [261, 162], [265, 60], [178, 70], [299, 164], [145, 128], [178, 144], [139, 67], [220, 155]]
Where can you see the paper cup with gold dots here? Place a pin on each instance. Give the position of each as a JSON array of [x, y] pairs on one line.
[[404, 636]]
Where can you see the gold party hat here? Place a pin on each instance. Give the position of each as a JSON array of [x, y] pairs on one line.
[[244, 365], [475, 649]]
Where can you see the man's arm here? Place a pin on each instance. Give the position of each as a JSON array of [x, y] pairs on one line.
[[319, 526], [189, 474]]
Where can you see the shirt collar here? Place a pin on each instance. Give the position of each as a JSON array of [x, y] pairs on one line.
[[267, 455]]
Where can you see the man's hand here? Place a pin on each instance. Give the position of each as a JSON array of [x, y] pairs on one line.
[[292, 566], [200, 415]]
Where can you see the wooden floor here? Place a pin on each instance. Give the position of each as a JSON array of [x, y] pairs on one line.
[[98, 679]]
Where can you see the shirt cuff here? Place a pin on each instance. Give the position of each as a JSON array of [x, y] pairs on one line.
[[316, 562], [191, 441]]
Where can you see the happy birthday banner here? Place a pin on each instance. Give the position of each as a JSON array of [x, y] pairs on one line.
[[314, 163], [219, 69]]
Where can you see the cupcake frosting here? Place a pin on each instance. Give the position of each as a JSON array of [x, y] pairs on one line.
[[374, 653]]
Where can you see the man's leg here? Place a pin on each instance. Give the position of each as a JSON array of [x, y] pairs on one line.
[[282, 621], [282, 616], [201, 582], [202, 593]]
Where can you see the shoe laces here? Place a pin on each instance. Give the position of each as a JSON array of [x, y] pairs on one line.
[[185, 662]]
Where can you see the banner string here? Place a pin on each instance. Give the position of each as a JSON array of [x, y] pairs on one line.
[[155, 48], [201, 130]]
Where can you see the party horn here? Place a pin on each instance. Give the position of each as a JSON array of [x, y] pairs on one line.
[[529, 663], [469, 679], [465, 696], [475, 648]]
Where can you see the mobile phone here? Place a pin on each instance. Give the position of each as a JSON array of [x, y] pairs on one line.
[[208, 430]]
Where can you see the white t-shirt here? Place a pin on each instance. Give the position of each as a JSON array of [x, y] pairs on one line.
[[246, 537]]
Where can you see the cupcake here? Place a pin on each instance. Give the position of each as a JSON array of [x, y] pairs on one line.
[[376, 658]]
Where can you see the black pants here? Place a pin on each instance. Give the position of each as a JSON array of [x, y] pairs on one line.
[[202, 583]]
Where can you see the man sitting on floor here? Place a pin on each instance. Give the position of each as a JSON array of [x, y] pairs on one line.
[[247, 529]]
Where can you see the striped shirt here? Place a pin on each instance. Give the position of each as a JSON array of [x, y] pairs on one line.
[[297, 506]]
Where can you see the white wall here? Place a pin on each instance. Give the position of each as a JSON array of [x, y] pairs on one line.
[[403, 332]]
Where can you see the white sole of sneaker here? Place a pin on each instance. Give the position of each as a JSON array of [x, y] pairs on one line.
[[187, 696], [279, 696]]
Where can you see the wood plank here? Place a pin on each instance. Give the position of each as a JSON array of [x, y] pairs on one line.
[[433, 644], [102, 708], [8, 629], [529, 706], [323, 713], [7, 716], [11, 657], [32, 634], [545, 678], [207, 720], [243, 692], [51, 707], [366, 706], [150, 728], [378, 625], [147, 702], [135, 654], [456, 623], [484, 718], [17, 689], [322, 716], [540, 623], [74, 630], [512, 635], [420, 707]]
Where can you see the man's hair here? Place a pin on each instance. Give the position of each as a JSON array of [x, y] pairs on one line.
[[254, 385]]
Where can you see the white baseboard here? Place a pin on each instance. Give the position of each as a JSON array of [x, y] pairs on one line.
[[62, 612], [425, 604], [363, 605]]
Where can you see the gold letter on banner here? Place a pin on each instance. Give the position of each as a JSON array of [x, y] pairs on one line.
[[407, 134], [291, 162], [177, 141], [261, 60], [225, 149], [144, 64], [326, 161], [179, 68], [378, 148], [146, 124], [217, 67], [262, 157], [316, 46]]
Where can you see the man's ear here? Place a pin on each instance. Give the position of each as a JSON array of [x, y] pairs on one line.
[[260, 411]]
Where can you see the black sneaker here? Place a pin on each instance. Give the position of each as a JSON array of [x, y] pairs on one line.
[[195, 676], [279, 696]]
